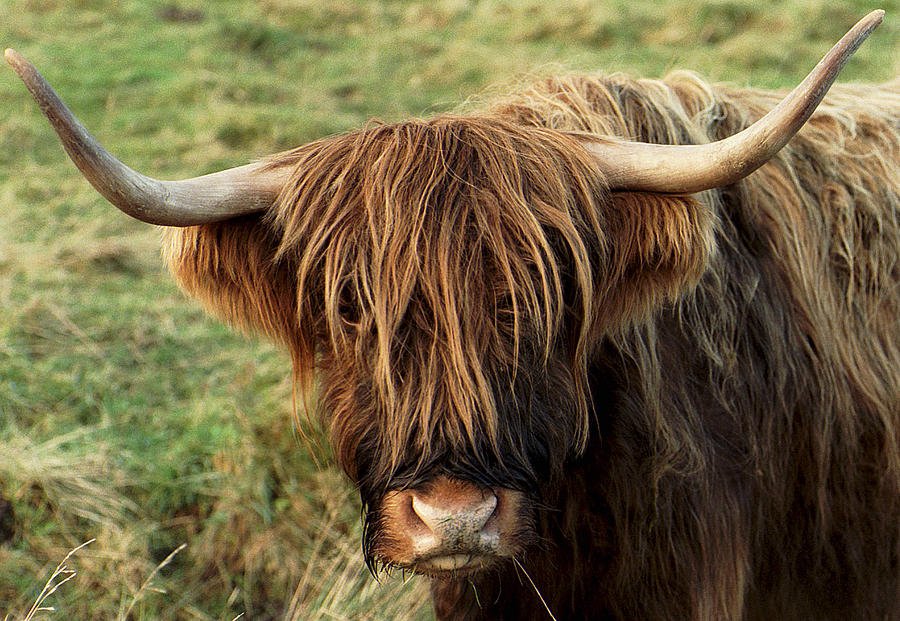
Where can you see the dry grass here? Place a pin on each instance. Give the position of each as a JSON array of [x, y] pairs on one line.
[[335, 587], [327, 576], [59, 577]]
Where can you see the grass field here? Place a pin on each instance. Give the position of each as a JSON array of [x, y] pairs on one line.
[[129, 417]]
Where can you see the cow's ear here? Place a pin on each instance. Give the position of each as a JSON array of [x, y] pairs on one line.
[[230, 266], [658, 247]]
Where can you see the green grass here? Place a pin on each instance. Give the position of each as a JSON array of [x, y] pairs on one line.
[[129, 417]]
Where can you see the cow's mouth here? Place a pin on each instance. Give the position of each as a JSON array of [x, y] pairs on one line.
[[453, 564]]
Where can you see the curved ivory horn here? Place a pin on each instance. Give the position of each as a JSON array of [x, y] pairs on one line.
[[211, 198], [684, 169]]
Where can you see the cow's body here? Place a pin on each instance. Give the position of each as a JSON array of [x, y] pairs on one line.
[[745, 459], [565, 382]]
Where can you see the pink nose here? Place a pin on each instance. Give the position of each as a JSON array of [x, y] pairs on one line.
[[450, 525], [451, 516], [456, 521]]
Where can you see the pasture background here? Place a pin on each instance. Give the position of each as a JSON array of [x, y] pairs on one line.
[[126, 414]]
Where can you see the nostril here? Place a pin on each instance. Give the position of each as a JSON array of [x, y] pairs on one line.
[[456, 518], [444, 524]]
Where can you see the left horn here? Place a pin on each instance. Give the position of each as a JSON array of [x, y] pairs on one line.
[[210, 198], [684, 169]]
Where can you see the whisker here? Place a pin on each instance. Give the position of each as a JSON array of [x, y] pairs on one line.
[[534, 586], [475, 591]]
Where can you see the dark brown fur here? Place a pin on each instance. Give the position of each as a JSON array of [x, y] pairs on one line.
[[699, 394]]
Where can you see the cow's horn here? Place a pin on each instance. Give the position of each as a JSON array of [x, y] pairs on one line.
[[200, 200], [683, 169]]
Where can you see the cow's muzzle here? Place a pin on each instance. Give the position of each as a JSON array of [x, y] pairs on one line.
[[449, 526]]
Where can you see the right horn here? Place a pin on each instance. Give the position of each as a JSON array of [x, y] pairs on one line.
[[211, 198], [684, 169]]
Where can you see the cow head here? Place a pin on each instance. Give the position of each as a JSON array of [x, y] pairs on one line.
[[442, 280], [446, 283]]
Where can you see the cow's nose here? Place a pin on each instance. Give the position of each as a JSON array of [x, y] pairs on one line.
[[451, 517], [450, 525], [455, 521]]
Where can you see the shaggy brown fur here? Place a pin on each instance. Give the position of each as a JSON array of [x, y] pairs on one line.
[[715, 379]]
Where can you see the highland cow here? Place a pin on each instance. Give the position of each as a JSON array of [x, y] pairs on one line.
[[576, 357]]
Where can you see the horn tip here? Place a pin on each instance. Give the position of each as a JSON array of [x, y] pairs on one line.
[[16, 60], [874, 18]]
